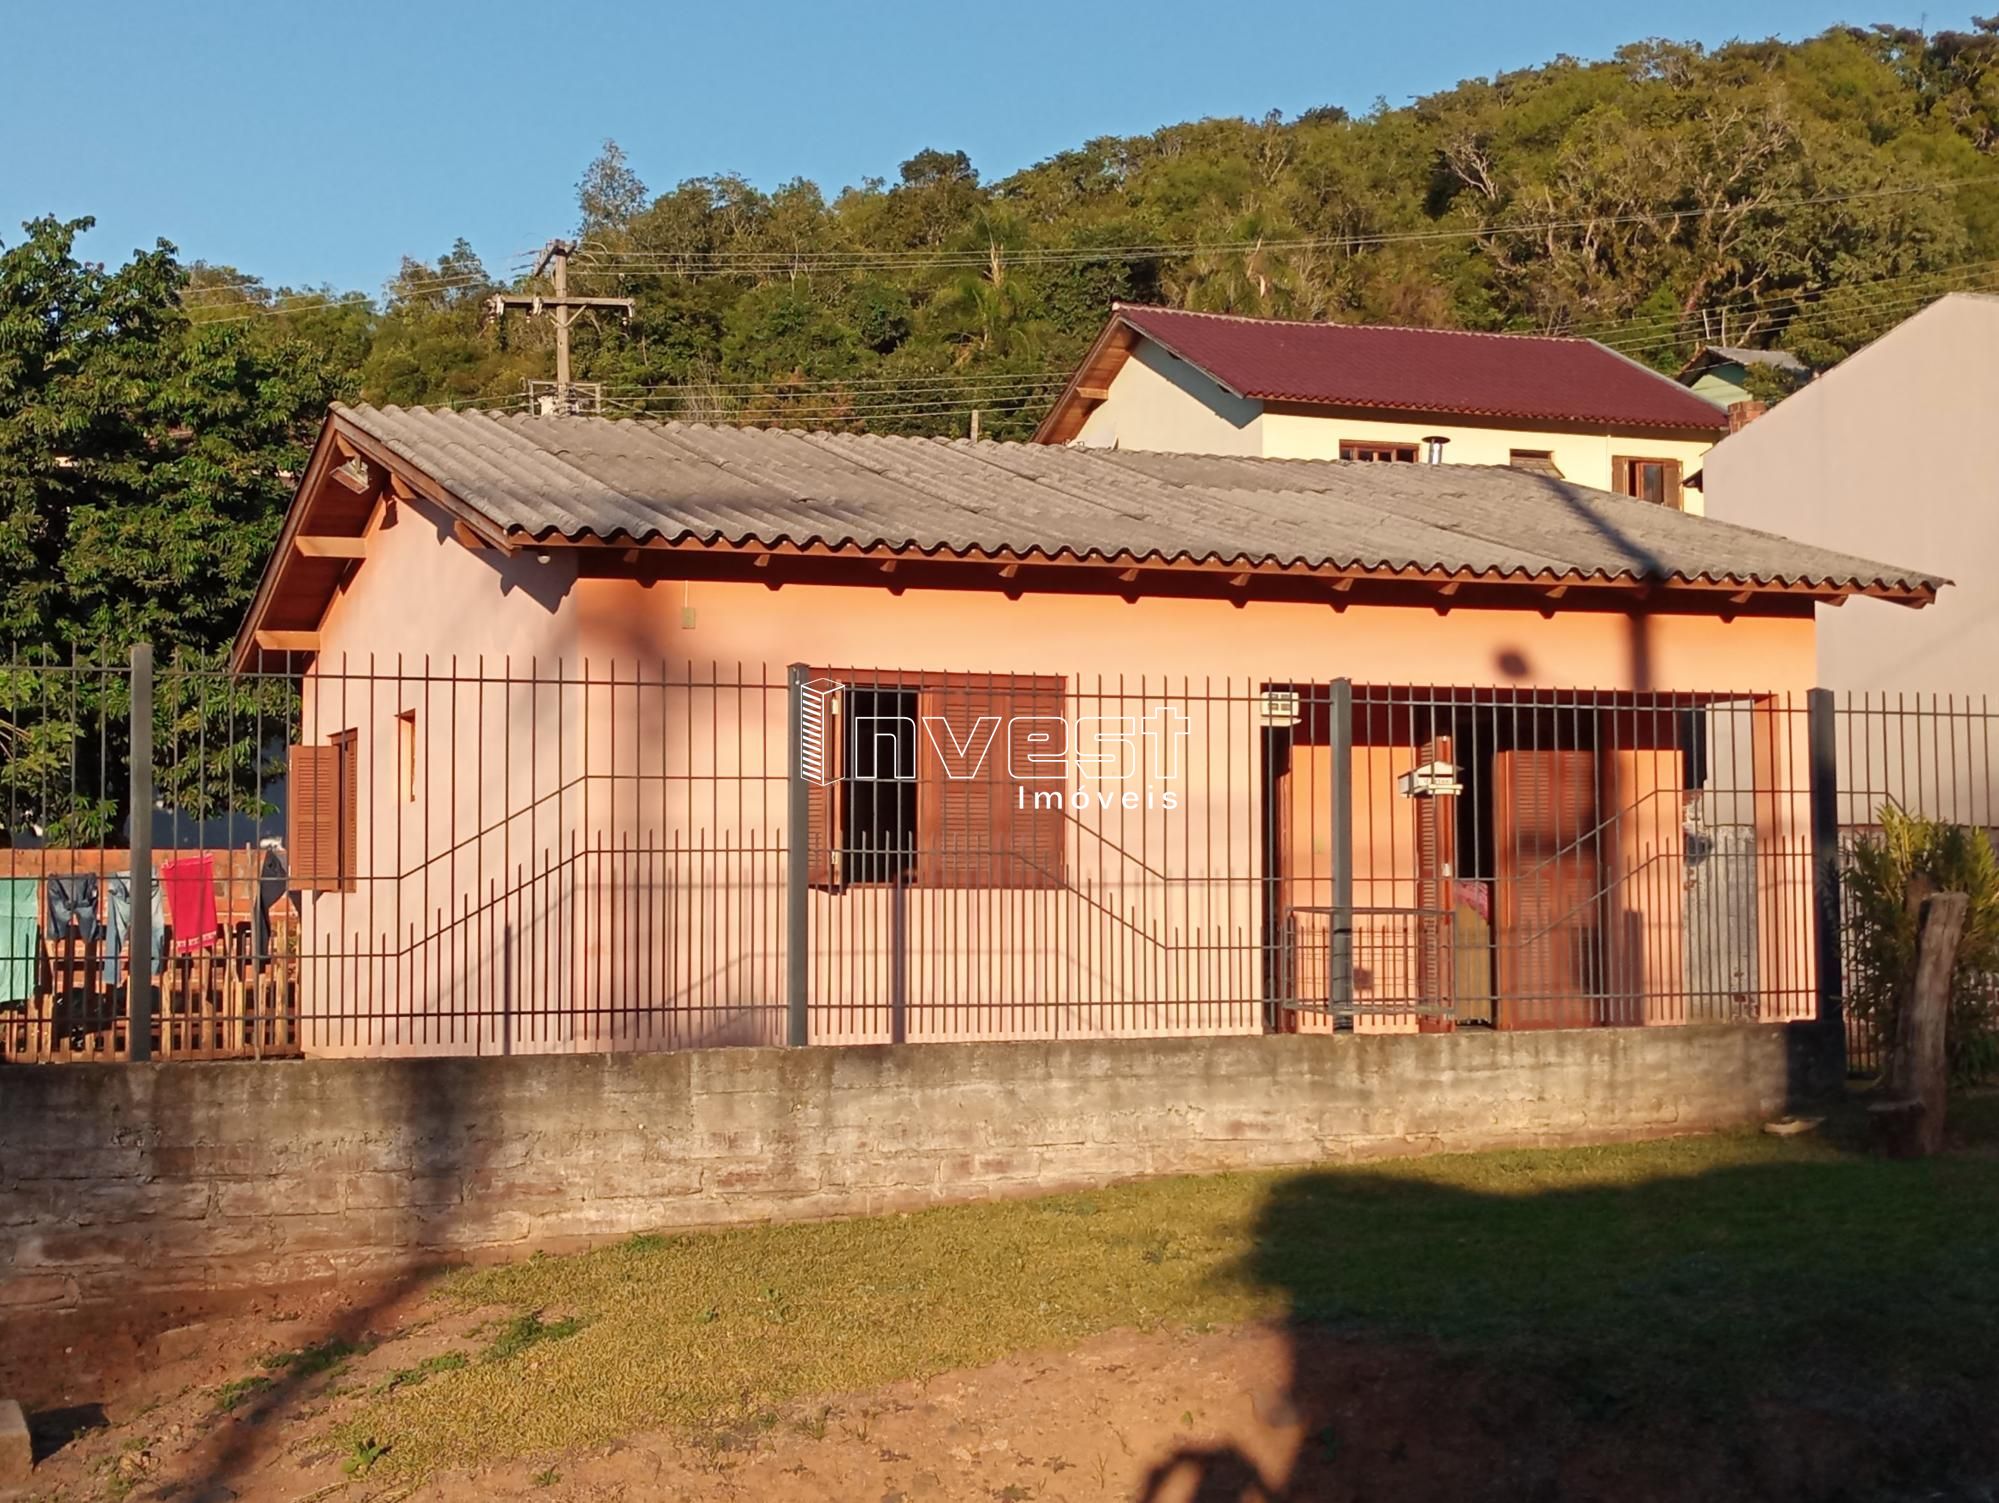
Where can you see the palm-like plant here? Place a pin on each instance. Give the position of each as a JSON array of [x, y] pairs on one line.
[[1881, 919]]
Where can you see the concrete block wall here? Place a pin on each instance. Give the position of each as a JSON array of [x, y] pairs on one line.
[[224, 1176]]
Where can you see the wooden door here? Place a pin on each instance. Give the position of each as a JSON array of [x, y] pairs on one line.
[[1436, 886], [1548, 888]]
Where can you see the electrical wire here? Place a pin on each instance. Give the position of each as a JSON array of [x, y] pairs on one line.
[[721, 263]]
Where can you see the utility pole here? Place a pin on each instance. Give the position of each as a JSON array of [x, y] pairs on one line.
[[562, 308]]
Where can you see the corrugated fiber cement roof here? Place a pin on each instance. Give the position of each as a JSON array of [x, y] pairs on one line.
[[581, 478]]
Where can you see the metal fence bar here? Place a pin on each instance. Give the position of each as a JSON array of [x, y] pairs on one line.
[[561, 856]]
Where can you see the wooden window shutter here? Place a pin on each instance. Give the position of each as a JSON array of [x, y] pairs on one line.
[[1674, 497], [1620, 476], [981, 828], [313, 817], [823, 832]]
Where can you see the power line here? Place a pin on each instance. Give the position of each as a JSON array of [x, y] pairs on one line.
[[724, 263], [1903, 301], [1755, 307], [311, 302]]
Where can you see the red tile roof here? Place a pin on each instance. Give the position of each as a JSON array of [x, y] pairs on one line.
[[1425, 370]]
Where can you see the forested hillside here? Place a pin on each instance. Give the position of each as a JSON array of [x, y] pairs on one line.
[[1807, 194]]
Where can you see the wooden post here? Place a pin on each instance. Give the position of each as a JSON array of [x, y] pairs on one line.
[[1925, 1070]]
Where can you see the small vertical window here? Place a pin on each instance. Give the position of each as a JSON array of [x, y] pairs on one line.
[[406, 755]]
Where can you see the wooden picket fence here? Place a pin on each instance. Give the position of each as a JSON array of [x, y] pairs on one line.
[[221, 1001]]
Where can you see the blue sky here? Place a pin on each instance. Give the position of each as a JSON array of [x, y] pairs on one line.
[[311, 144]]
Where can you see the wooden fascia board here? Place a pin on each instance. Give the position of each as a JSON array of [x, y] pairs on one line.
[[1115, 327], [1190, 361], [424, 485], [1127, 569], [324, 456]]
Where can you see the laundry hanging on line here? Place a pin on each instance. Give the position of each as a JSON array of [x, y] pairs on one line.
[[20, 938], [72, 904], [118, 926], [190, 885]]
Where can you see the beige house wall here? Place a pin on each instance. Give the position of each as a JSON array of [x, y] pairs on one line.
[[1159, 402], [1583, 455], [1894, 455]]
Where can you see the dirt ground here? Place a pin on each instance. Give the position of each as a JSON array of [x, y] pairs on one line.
[[122, 1411]]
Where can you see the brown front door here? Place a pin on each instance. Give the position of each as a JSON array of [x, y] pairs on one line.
[[1436, 886], [1548, 891]]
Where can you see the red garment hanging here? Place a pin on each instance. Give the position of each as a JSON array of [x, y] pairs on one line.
[[190, 892]]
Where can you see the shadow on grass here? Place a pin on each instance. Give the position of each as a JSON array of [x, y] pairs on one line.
[[1820, 1326]]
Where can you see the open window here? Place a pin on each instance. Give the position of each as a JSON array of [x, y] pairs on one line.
[[1377, 452], [931, 779], [1656, 480], [406, 756], [322, 791]]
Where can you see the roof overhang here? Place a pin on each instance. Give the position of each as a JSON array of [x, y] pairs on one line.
[[1090, 386], [353, 483]]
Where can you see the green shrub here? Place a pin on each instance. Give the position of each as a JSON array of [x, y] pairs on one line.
[[1882, 952]]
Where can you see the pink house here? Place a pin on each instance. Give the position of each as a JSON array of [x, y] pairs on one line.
[[622, 735]]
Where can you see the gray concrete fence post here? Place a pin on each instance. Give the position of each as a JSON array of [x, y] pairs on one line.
[[1822, 731], [139, 936], [797, 866]]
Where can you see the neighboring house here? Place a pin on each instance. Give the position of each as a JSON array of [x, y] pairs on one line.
[[1209, 383], [1087, 742], [1720, 372], [1895, 448]]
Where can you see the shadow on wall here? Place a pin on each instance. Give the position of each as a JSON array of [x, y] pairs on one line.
[[436, 1167], [1644, 564], [1819, 1327]]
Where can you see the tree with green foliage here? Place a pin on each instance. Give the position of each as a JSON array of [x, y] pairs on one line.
[[146, 458]]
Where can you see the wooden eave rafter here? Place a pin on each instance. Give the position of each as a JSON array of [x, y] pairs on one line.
[[324, 538]]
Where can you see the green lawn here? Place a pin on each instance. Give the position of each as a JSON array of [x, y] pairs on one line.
[[1693, 1276]]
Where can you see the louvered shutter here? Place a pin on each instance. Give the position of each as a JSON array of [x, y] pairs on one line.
[[822, 823], [980, 828], [314, 817]]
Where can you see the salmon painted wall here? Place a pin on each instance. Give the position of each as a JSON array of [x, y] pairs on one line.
[[599, 863], [1150, 953], [463, 901]]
